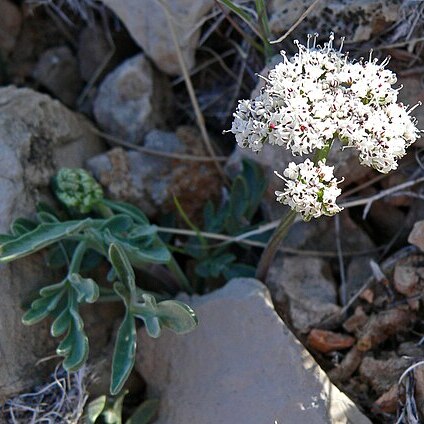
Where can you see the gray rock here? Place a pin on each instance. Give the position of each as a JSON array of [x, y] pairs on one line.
[[241, 365], [151, 181], [38, 135], [359, 20], [57, 70], [128, 103], [93, 50], [147, 24], [10, 25], [306, 290]]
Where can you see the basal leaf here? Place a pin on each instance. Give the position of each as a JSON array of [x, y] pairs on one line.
[[126, 208], [118, 223], [61, 323], [46, 217], [22, 226], [124, 353], [239, 198], [177, 316], [122, 266], [152, 325], [42, 236], [86, 288], [95, 409], [76, 349]]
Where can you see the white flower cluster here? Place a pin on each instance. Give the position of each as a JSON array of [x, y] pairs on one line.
[[310, 189], [318, 96]]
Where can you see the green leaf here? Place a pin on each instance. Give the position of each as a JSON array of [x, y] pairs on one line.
[[239, 270], [124, 353], [140, 255], [122, 266], [239, 198], [42, 236], [152, 326], [43, 306], [56, 257], [215, 265], [86, 288], [36, 313], [21, 226], [95, 409], [145, 412], [91, 260], [118, 223], [177, 316], [126, 208], [114, 415], [48, 291], [143, 231], [46, 217], [238, 11], [75, 345], [172, 314], [61, 323], [4, 238]]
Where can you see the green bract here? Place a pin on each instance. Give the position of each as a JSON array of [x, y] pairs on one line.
[[77, 189], [116, 232]]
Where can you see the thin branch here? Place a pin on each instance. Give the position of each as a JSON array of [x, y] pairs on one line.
[[241, 239], [199, 116], [297, 23], [343, 294], [147, 151]]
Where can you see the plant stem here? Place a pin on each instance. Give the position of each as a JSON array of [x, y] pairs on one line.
[[103, 210], [273, 244]]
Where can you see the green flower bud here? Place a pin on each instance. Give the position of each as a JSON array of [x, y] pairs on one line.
[[77, 189]]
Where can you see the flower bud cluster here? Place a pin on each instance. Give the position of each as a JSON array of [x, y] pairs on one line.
[[310, 189], [319, 96], [77, 189]]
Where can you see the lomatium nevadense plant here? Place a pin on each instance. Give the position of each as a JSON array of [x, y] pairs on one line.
[[308, 102]]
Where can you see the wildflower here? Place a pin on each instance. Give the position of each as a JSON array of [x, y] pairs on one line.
[[310, 189], [312, 99], [319, 95]]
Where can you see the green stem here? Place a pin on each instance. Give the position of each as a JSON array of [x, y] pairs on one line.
[[284, 226], [103, 210], [273, 244], [77, 258]]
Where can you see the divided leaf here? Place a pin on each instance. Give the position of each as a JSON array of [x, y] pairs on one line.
[[42, 236]]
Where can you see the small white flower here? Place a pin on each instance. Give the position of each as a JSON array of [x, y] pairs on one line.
[[310, 189], [319, 95]]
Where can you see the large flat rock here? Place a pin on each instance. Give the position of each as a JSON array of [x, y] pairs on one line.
[[38, 135], [241, 365]]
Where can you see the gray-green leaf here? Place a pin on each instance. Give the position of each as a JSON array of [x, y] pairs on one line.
[[86, 288], [124, 353], [42, 236], [122, 266]]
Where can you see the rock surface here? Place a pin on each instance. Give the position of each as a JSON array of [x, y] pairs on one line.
[[151, 181], [307, 293], [241, 365], [57, 70], [128, 101], [359, 20], [148, 25], [10, 25], [37, 136]]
